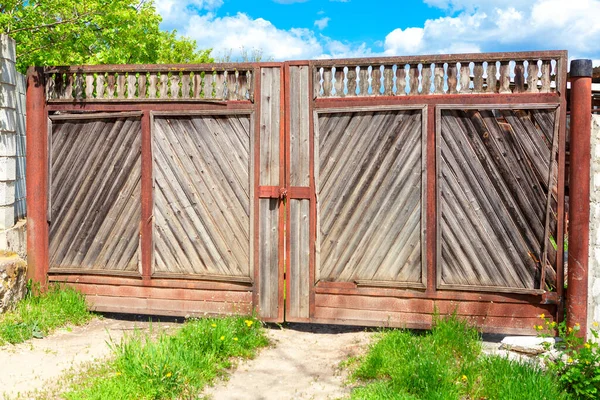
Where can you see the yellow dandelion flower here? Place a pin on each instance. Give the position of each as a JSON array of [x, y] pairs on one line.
[[570, 329], [168, 375], [222, 338], [595, 324], [587, 345], [118, 374], [553, 324], [214, 325], [249, 323], [236, 339], [542, 316], [570, 360], [464, 378]]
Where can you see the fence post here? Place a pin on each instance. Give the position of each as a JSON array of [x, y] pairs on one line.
[[37, 176], [579, 194]]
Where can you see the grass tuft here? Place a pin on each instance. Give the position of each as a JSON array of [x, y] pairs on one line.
[[40, 313], [446, 364], [175, 365]]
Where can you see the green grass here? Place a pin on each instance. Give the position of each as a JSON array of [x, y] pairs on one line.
[[171, 366], [446, 364], [39, 314]]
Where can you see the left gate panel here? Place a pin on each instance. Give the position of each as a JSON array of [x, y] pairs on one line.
[[95, 189]]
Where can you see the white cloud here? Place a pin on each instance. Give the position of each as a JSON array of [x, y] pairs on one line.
[[173, 12], [232, 33], [507, 25], [338, 49], [322, 23]]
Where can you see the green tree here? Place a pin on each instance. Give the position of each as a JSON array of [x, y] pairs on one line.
[[73, 32]]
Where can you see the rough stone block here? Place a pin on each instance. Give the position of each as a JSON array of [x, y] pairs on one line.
[[15, 239], [532, 345], [8, 48], [8, 168], [13, 280]]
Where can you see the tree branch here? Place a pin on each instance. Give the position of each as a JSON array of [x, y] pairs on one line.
[[51, 25]]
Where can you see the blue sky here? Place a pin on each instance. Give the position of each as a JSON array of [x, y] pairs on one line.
[[309, 29]]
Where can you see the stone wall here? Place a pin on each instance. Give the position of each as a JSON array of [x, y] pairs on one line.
[[12, 150], [594, 261]]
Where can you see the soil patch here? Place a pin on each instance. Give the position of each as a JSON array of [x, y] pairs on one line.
[[33, 365], [302, 363]]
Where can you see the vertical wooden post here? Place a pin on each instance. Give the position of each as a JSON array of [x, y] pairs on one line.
[[579, 194], [37, 176], [146, 222]]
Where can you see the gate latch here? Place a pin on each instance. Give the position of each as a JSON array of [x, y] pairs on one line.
[[282, 193]]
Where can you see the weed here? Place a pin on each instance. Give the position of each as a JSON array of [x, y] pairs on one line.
[[39, 313], [172, 366], [578, 361], [445, 364]]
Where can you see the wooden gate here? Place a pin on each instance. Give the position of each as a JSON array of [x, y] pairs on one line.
[[375, 191], [424, 185]]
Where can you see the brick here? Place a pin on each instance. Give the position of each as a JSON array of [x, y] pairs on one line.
[[7, 216], [7, 193], [8, 72], [8, 144], [8, 120], [8, 168], [8, 96]]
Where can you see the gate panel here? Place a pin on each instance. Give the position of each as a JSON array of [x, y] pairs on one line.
[[202, 204], [370, 197], [497, 198], [95, 172], [300, 208], [269, 174]]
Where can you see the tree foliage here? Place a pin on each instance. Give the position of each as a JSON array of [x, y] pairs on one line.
[[73, 32]]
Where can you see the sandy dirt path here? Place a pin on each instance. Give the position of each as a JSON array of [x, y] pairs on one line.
[[33, 365], [301, 363]]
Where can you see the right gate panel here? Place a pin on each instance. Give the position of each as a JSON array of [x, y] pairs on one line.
[[497, 199]]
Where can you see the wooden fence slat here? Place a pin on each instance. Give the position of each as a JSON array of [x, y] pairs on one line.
[[351, 81], [363, 82]]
